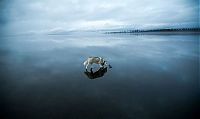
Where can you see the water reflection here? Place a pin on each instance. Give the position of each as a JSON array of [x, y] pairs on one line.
[[97, 74], [153, 77]]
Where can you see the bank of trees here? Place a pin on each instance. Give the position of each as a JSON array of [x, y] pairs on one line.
[[158, 30]]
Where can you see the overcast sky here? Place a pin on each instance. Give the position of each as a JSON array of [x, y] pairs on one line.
[[41, 15]]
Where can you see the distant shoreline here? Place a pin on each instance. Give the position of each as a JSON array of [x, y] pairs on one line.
[[158, 31], [162, 33]]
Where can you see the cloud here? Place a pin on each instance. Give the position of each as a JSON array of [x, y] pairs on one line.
[[87, 14]]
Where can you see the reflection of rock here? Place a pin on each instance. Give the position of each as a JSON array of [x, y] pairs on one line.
[[97, 74]]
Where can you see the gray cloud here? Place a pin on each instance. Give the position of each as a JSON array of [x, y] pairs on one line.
[[41, 15]]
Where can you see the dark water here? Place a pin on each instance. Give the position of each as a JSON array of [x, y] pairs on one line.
[[152, 77]]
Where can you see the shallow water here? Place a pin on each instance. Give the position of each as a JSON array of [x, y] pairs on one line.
[[152, 77]]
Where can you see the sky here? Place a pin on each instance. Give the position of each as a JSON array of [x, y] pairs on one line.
[[55, 15]]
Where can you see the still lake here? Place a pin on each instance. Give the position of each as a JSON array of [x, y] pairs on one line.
[[152, 77]]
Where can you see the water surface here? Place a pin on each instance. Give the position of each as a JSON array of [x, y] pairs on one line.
[[152, 77]]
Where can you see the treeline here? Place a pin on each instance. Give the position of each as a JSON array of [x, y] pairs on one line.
[[159, 30]]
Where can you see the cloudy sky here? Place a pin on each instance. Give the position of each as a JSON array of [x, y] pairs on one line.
[[41, 15]]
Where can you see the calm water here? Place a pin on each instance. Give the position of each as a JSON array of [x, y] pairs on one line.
[[152, 77]]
